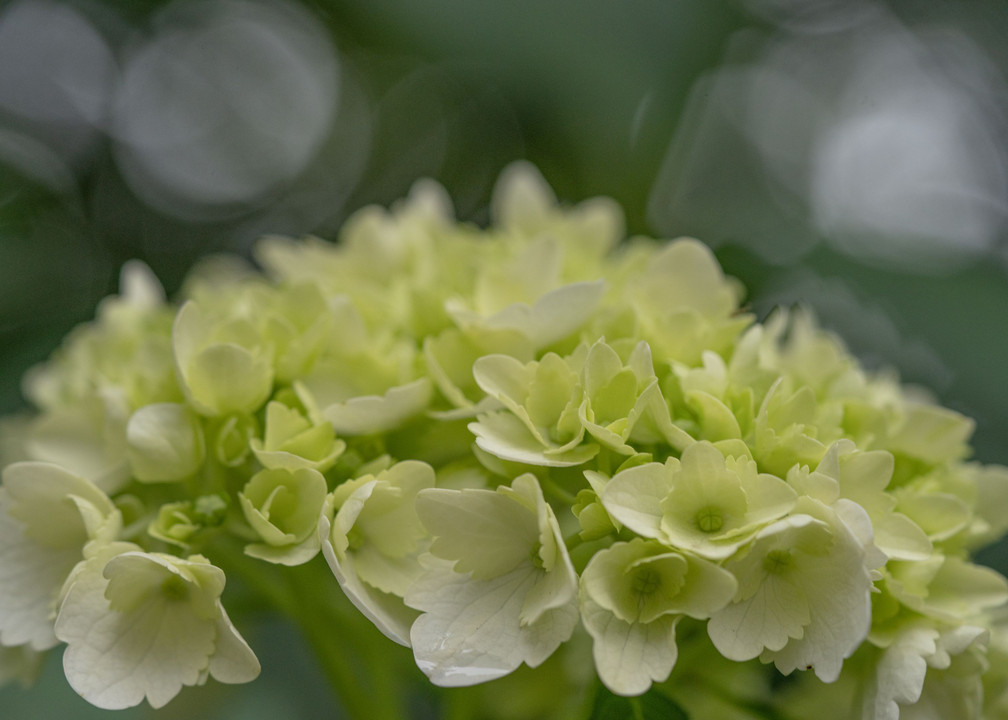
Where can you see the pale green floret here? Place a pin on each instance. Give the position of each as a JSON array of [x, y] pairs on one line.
[[56, 508], [486, 606], [126, 349], [632, 596], [179, 522], [593, 519], [792, 427], [47, 516], [685, 303], [931, 433], [397, 266], [223, 364], [622, 402], [174, 524], [948, 589], [803, 593], [864, 477], [541, 278], [370, 414], [449, 358], [230, 439], [540, 424], [912, 670], [554, 316], [641, 580], [713, 398], [524, 207], [985, 488], [297, 324], [292, 441], [371, 537], [164, 443], [367, 382], [704, 503], [283, 508], [143, 625]]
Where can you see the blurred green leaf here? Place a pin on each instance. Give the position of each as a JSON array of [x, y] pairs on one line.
[[649, 706]]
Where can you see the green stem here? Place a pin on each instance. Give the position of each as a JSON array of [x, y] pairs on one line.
[[560, 493], [359, 662]]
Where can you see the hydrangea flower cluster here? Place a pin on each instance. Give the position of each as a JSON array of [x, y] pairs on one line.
[[502, 440]]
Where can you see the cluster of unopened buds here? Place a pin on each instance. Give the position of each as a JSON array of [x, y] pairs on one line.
[[502, 440]]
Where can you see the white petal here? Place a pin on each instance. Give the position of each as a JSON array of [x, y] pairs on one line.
[[776, 613], [30, 579], [233, 661], [369, 414], [634, 496], [481, 531], [505, 436], [387, 612], [114, 660], [899, 674], [471, 630], [552, 317], [630, 656]]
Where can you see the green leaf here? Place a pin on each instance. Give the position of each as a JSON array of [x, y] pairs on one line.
[[651, 705]]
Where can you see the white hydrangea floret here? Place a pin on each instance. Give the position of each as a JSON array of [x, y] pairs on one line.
[[704, 503], [283, 507], [222, 365], [498, 588], [292, 441], [540, 423], [904, 660], [372, 542], [143, 625], [47, 516], [622, 401], [633, 595], [803, 594]]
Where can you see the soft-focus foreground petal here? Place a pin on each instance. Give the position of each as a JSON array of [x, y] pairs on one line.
[[141, 625], [47, 516]]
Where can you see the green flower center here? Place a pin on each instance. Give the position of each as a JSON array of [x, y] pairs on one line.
[[175, 588], [777, 561], [646, 581], [710, 519]]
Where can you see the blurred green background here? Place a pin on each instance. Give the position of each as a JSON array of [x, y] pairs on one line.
[[850, 154]]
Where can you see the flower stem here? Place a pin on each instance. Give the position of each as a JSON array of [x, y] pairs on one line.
[[361, 664]]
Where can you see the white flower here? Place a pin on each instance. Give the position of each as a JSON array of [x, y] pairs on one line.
[[707, 504], [911, 656], [47, 515], [141, 625], [283, 507], [372, 542], [539, 424], [803, 595], [498, 588], [632, 596]]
